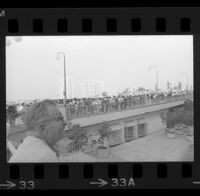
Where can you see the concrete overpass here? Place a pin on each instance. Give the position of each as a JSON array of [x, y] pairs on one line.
[[119, 115], [130, 124], [139, 109]]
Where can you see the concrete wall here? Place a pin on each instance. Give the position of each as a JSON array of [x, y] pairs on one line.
[[152, 120]]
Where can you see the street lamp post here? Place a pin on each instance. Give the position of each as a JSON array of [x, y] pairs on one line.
[[156, 68], [65, 88], [186, 79]]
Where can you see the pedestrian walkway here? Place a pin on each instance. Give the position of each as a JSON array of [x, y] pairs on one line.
[[92, 120]]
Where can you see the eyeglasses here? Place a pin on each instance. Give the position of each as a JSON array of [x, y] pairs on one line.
[[57, 118]]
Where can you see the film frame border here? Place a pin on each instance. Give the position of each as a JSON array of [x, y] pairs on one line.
[[100, 21]]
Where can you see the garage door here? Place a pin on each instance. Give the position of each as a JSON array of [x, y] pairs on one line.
[[115, 137], [130, 133]]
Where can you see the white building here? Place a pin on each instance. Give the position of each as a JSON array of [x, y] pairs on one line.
[[92, 88], [77, 88]]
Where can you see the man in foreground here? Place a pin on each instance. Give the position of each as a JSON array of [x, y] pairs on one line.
[[45, 126]]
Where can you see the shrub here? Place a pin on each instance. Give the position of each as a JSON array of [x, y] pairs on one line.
[[104, 132], [79, 138], [179, 115]]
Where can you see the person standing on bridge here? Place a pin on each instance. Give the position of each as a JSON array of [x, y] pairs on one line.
[[45, 126]]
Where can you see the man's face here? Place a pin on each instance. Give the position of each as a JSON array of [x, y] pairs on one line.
[[55, 128]]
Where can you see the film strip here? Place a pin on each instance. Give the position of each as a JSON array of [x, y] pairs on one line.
[[97, 22]]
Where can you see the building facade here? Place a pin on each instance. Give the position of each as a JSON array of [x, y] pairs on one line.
[[92, 88], [77, 88], [131, 128]]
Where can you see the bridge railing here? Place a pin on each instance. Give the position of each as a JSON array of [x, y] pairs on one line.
[[96, 109]]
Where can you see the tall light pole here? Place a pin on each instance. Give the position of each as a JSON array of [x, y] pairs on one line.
[[65, 88], [185, 73], [156, 68]]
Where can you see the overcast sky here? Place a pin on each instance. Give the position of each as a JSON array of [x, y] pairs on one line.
[[32, 70]]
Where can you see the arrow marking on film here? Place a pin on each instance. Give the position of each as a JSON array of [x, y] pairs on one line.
[[100, 182], [8, 185]]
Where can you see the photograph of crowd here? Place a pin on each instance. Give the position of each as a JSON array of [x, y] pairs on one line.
[[73, 112]]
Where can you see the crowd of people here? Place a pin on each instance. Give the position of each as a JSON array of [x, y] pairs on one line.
[[90, 106]]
